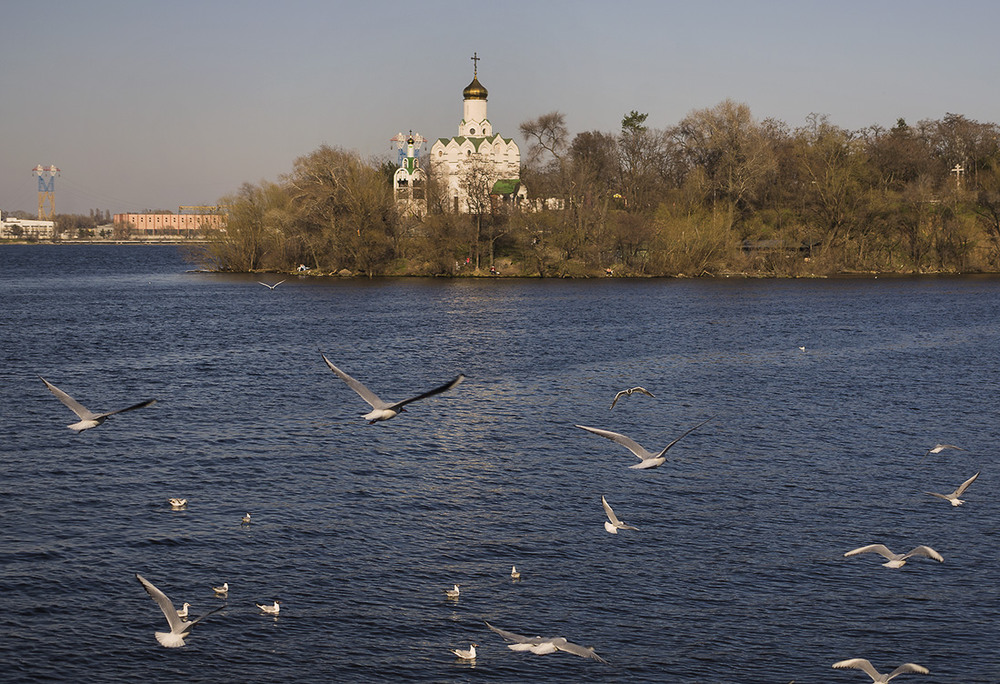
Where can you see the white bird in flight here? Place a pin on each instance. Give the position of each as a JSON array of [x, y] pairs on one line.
[[628, 392], [271, 286], [385, 410], [877, 677], [544, 645], [953, 497], [614, 524], [222, 591], [466, 655], [452, 593], [88, 419], [272, 609], [897, 560], [647, 458], [177, 503], [179, 628], [938, 448]]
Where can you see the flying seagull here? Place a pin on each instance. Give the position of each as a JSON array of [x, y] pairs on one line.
[[938, 448], [897, 560], [88, 419], [628, 392], [877, 677], [179, 628], [544, 645], [647, 458], [614, 524], [953, 497], [385, 410], [465, 655], [271, 286]]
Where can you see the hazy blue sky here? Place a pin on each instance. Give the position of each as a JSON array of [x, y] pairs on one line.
[[158, 104]]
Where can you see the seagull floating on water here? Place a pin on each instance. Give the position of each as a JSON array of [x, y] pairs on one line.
[[183, 612], [88, 419], [179, 628], [514, 574], [953, 497], [273, 609], [466, 655], [647, 458], [271, 287], [385, 410], [178, 503], [938, 448], [222, 591], [452, 593], [897, 560], [246, 519], [877, 677], [545, 645], [628, 392], [614, 524]]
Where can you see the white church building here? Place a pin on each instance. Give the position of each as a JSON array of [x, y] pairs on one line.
[[477, 157]]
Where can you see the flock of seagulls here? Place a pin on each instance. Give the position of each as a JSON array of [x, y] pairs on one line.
[[180, 627]]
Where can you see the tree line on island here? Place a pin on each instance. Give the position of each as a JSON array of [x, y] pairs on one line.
[[720, 192]]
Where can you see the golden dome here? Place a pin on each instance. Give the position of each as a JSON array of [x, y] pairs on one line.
[[474, 91]]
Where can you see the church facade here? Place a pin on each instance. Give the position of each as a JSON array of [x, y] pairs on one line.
[[477, 165]]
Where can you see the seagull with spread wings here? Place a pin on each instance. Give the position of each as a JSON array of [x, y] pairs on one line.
[[897, 560], [877, 677], [179, 627], [545, 645], [386, 410], [628, 393], [88, 419], [613, 524], [953, 497], [647, 458]]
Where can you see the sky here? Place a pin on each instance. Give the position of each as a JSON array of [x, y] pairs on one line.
[[148, 105]]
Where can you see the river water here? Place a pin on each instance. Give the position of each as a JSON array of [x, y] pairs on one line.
[[736, 573]]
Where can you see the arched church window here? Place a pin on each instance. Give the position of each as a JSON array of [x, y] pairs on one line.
[[472, 131]]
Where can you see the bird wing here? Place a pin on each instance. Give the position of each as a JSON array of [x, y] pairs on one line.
[[192, 623], [667, 448], [437, 390], [177, 626], [516, 638], [859, 664], [908, 667], [965, 485], [617, 396], [362, 391], [877, 548], [626, 442], [141, 404], [76, 407], [611, 514], [925, 551], [278, 283], [940, 496], [584, 652], [642, 390]]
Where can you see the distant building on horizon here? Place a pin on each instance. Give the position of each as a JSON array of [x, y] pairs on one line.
[[477, 159], [410, 181], [18, 228], [183, 223]]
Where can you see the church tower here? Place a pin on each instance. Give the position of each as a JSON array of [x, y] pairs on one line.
[[476, 148], [474, 121]]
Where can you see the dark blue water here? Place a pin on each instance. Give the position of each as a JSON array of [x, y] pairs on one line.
[[737, 571]]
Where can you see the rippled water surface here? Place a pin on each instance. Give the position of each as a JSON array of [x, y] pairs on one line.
[[736, 573]]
